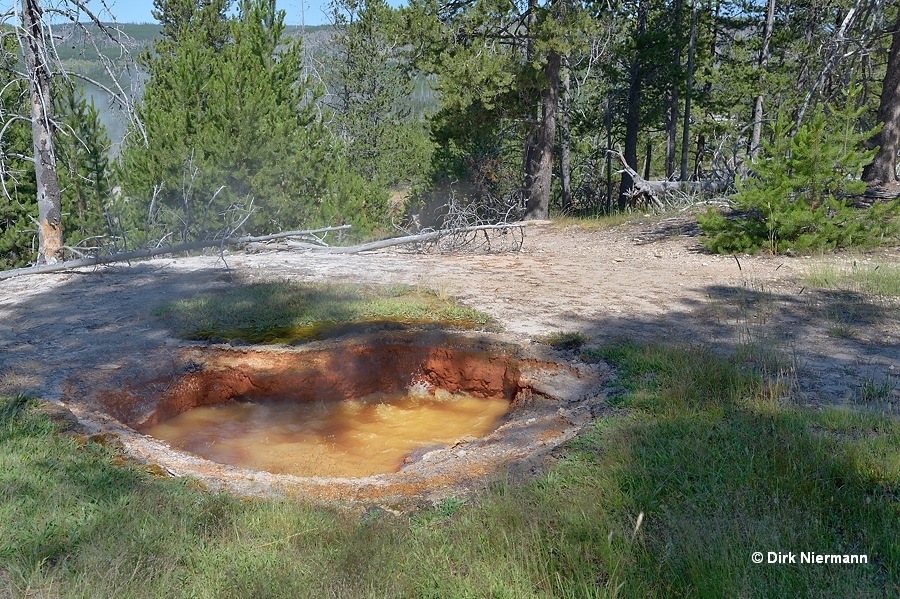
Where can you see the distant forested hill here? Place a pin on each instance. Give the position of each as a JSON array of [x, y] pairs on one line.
[[78, 49], [76, 45]]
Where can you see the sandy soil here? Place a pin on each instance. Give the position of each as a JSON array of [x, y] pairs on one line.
[[647, 280]]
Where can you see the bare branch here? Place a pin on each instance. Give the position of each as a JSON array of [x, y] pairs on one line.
[[653, 190], [409, 239], [838, 43], [147, 253]]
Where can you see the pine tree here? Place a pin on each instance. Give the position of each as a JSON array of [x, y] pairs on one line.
[[232, 126], [798, 198], [369, 90], [83, 155], [18, 232], [498, 68]]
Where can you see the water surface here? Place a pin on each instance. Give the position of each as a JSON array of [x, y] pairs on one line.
[[351, 438]]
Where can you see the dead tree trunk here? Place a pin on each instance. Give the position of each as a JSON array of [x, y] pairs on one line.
[[840, 40], [608, 115], [652, 192], [761, 65], [157, 251], [48, 194], [882, 171], [689, 90], [633, 114]]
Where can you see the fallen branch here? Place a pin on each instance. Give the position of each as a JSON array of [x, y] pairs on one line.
[[165, 249], [639, 186], [653, 189], [419, 238]]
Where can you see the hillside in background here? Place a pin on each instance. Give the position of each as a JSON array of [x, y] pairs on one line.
[[76, 46], [78, 49]]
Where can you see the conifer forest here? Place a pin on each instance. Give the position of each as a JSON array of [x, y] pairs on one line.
[[229, 122]]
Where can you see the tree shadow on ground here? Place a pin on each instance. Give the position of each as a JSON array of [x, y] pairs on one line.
[[678, 226], [714, 487], [833, 343]]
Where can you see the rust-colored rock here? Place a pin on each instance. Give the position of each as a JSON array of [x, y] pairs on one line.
[[332, 374]]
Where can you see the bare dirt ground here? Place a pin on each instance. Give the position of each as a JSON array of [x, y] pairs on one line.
[[648, 280]]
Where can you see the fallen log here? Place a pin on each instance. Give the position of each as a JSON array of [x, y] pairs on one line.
[[664, 187], [418, 238], [883, 192], [165, 249], [652, 190]]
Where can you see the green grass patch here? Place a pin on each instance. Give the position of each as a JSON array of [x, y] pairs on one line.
[[877, 392], [287, 312], [668, 498], [721, 470], [872, 279], [596, 223]]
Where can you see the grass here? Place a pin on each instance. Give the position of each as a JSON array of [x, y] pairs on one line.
[[872, 279], [877, 393], [596, 223], [669, 497], [285, 312], [853, 294]]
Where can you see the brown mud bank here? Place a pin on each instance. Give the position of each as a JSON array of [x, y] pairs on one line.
[[551, 401]]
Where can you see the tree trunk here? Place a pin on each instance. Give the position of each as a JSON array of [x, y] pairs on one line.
[[761, 65], [565, 170], [698, 158], [688, 91], [672, 100], [539, 161], [48, 194], [633, 114], [671, 130], [608, 208], [647, 158], [882, 171]]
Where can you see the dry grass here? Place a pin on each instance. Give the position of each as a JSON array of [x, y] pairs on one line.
[[870, 278]]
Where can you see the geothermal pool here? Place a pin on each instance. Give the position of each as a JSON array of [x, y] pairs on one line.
[[396, 417], [347, 438]]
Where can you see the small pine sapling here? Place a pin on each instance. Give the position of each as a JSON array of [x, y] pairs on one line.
[[798, 195]]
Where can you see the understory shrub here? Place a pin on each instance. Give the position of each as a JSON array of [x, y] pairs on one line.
[[799, 194]]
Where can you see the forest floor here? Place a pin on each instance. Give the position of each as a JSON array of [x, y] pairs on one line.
[[647, 280]]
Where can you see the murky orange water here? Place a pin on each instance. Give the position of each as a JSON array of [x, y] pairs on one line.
[[351, 438]]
